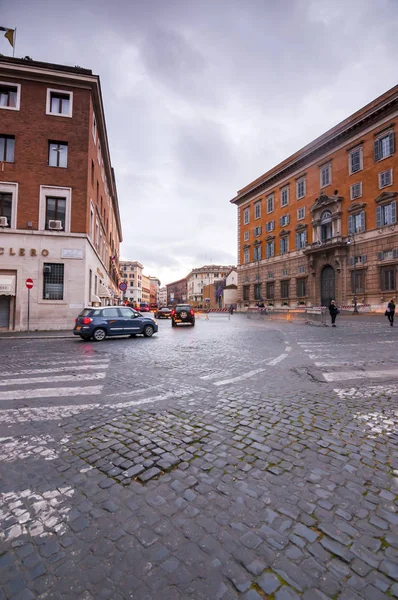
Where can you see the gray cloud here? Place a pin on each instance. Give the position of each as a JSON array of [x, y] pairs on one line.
[[203, 97]]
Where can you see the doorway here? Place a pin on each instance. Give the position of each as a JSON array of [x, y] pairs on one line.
[[328, 285], [4, 312]]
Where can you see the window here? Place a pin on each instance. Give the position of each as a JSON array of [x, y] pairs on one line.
[[387, 279], [245, 237], [386, 214], [355, 161], [270, 203], [94, 129], [284, 289], [301, 269], [285, 272], [257, 231], [246, 216], [257, 252], [53, 281], [6, 206], [59, 103], [284, 220], [55, 211], [270, 291], [326, 175], [385, 178], [92, 173], [112, 312], [326, 226], [99, 152], [284, 245], [285, 196], [7, 144], [301, 214], [270, 249], [257, 210], [301, 287], [384, 146], [58, 154], [301, 240], [257, 291], [387, 255], [246, 292], [356, 190], [96, 234], [270, 226], [356, 223], [358, 282], [92, 223], [246, 256], [10, 95], [300, 188], [270, 275]]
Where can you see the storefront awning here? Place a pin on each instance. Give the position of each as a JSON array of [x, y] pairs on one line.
[[103, 291], [7, 285]]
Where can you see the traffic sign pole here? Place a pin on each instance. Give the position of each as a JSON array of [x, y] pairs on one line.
[[29, 285]]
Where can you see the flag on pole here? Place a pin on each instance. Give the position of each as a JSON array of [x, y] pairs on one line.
[[9, 34]]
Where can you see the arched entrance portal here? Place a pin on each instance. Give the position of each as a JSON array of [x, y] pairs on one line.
[[328, 285]]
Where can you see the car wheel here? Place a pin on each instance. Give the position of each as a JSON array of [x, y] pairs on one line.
[[148, 331], [193, 324], [99, 335], [85, 337]]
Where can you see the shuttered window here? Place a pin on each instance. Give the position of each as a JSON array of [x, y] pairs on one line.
[[301, 240], [386, 214], [270, 249], [384, 146], [284, 245], [356, 223]]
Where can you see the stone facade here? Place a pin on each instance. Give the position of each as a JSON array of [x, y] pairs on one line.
[[322, 224]]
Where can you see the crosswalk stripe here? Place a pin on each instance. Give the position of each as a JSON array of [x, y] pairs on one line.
[[367, 391], [52, 379], [91, 390], [342, 375], [239, 378], [57, 369]]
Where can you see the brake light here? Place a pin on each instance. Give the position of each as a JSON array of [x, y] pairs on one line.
[[75, 320], [192, 312], [86, 320]]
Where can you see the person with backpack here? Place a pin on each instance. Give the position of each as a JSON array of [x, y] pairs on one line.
[[390, 312], [333, 311]]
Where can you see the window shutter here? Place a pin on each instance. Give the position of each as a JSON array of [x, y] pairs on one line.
[[281, 221], [395, 253], [391, 140], [352, 260], [393, 211], [363, 220], [380, 256], [378, 216], [351, 224], [287, 219], [377, 150], [364, 258], [297, 241]]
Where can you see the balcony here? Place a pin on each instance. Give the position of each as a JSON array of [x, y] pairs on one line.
[[330, 244]]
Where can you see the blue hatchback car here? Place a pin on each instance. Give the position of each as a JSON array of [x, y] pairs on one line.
[[97, 323]]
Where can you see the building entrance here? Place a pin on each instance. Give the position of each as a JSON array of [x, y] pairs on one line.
[[4, 311], [328, 285]]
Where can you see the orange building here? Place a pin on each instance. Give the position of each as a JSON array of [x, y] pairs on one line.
[[322, 224]]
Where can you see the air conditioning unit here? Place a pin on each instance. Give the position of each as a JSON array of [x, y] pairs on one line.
[[3, 222], [57, 225]]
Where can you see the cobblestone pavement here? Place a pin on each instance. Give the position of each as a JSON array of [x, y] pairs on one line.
[[239, 459]]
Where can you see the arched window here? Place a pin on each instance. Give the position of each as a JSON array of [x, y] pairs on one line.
[[326, 216], [326, 225]]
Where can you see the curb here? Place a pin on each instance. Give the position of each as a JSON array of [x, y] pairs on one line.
[[36, 337]]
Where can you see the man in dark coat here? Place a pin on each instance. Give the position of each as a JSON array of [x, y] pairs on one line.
[[391, 311], [334, 311]]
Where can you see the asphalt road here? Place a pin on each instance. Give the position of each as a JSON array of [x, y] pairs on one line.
[[242, 458]]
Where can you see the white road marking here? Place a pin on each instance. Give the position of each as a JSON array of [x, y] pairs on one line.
[[57, 369], [368, 391], [277, 360], [240, 377], [90, 390], [53, 379], [342, 375]]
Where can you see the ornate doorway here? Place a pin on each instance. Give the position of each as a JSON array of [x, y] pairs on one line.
[[328, 285]]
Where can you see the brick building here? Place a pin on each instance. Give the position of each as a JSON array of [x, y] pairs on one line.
[[322, 224], [59, 215], [177, 292]]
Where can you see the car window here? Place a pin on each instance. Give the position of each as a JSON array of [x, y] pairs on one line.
[[127, 313], [184, 307], [95, 313], [85, 312], [110, 312]]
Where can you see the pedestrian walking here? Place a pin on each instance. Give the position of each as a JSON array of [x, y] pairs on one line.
[[231, 310], [334, 311], [390, 311]]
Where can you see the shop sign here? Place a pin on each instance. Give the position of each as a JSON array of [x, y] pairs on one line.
[[23, 252]]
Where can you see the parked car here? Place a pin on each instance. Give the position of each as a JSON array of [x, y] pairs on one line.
[[97, 323], [182, 313], [163, 313], [143, 307]]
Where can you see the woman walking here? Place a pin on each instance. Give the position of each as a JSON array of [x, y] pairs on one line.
[[391, 311], [334, 311]]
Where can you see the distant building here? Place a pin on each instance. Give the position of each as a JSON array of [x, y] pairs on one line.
[[177, 292], [59, 213], [154, 290], [198, 278], [146, 289], [222, 293], [322, 224], [131, 273], [163, 296]]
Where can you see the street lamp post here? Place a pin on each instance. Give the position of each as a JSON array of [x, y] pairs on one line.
[[351, 240]]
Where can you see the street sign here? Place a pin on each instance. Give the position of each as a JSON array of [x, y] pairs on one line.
[[123, 286], [29, 283]]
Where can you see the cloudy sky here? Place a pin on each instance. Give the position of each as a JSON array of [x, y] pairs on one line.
[[203, 96]]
